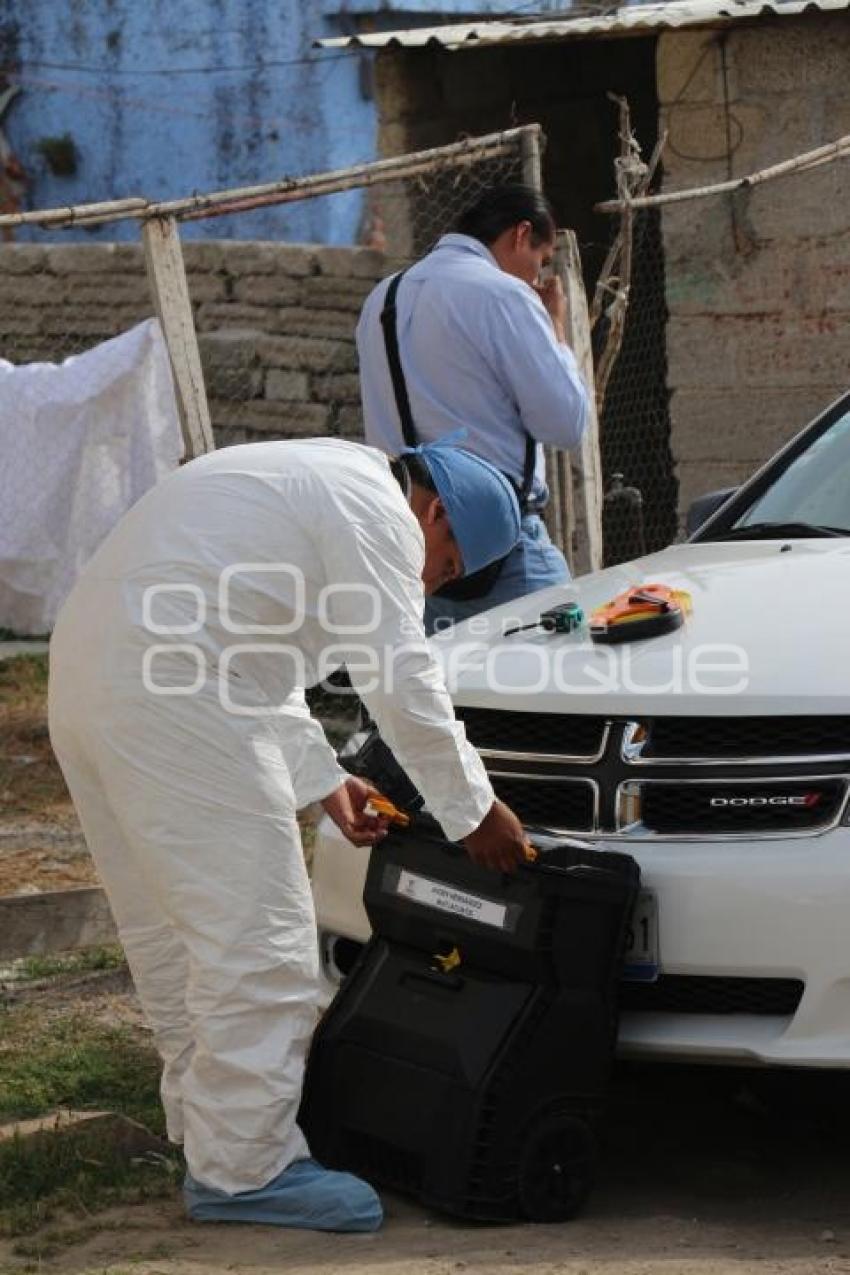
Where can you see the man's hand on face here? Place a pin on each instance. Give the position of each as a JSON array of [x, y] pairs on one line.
[[346, 806], [551, 293], [499, 840]]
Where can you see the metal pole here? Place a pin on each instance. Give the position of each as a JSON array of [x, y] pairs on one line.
[[288, 188]]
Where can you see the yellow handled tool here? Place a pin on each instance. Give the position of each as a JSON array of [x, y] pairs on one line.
[[383, 806]]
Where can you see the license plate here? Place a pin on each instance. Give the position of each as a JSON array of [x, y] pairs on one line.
[[642, 963]]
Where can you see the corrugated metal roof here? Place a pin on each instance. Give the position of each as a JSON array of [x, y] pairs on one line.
[[631, 20]]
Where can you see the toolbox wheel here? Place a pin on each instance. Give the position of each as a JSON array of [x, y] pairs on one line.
[[556, 1169]]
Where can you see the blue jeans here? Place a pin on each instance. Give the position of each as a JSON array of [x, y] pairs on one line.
[[533, 564]]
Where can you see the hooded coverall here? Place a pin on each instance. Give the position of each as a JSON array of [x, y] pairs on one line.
[[177, 713]]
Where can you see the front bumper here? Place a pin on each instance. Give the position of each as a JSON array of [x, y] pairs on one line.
[[773, 909]]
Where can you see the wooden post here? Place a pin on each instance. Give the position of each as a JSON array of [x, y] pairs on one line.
[[568, 264], [170, 291], [531, 154], [557, 475]]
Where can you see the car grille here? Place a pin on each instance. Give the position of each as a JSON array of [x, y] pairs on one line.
[[689, 994], [666, 777], [573, 735], [746, 736], [713, 807], [567, 804]]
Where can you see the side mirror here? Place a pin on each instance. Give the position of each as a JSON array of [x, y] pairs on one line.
[[703, 507]]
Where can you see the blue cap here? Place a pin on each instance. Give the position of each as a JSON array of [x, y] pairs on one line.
[[480, 502]]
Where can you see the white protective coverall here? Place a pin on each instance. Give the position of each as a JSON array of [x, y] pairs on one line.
[[177, 712]]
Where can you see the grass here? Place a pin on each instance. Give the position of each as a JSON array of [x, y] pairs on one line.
[[93, 959], [75, 1061], [31, 783]]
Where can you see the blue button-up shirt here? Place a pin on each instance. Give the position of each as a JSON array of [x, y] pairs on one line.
[[478, 351]]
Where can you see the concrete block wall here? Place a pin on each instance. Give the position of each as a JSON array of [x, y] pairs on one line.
[[757, 284], [275, 323]]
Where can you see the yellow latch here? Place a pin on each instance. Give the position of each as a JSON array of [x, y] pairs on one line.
[[448, 961]]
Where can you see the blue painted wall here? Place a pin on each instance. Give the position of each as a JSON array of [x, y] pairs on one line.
[[163, 97]]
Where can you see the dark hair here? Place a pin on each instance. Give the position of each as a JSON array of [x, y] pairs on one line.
[[501, 207], [415, 468]]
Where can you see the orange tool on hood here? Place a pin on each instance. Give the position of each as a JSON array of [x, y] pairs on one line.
[[383, 806], [646, 610]]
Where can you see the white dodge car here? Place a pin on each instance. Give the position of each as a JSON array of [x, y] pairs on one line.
[[718, 755]]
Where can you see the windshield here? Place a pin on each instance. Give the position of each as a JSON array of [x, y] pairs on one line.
[[814, 489]]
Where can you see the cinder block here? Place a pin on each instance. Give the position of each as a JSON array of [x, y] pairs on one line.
[[14, 323], [299, 321], [347, 422], [71, 322], [702, 352], [737, 425], [202, 256], [803, 205], [783, 277], [108, 290], [698, 137], [283, 420], [33, 290], [233, 383], [769, 280], [207, 287], [824, 274], [286, 386], [836, 112], [699, 231], [335, 294], [358, 263], [236, 347], [95, 258], [336, 389], [243, 257], [270, 290], [215, 316], [22, 258], [307, 354], [799, 53], [688, 67], [811, 351], [225, 437]]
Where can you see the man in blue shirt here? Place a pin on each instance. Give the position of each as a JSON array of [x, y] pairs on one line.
[[482, 345]]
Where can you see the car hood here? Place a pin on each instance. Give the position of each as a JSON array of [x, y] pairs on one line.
[[768, 633]]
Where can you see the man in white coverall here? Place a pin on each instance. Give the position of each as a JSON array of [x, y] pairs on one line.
[[177, 713]]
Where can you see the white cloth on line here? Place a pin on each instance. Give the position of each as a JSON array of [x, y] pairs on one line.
[[80, 442]]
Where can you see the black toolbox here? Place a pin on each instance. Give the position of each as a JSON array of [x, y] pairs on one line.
[[468, 1052]]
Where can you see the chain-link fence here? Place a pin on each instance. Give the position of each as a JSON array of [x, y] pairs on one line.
[[734, 338], [639, 510]]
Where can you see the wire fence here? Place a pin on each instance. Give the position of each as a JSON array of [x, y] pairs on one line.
[[640, 506]]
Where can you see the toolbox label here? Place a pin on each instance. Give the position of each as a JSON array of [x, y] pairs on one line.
[[436, 894]]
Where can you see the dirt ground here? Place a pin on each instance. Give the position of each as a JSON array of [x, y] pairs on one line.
[[687, 1187], [702, 1172]]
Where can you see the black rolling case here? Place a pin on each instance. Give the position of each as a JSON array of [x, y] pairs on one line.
[[468, 1052]]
